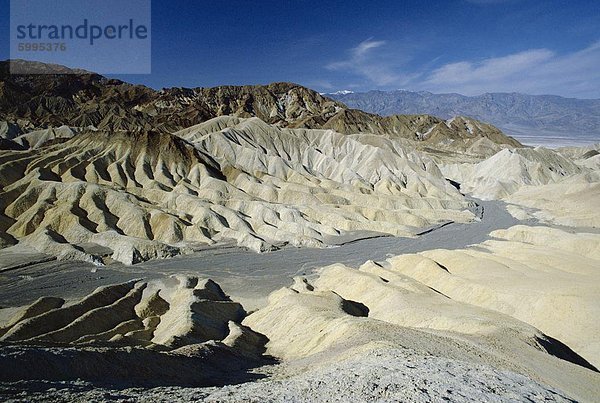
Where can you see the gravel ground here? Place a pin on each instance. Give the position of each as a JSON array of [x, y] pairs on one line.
[[379, 375]]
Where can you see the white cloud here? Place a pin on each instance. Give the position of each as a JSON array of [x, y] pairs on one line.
[[364, 62], [535, 71], [361, 50], [490, 69]]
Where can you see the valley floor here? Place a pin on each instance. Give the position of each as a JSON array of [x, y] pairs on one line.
[[248, 277]]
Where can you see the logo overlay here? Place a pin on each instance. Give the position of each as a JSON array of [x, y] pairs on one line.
[[106, 37]]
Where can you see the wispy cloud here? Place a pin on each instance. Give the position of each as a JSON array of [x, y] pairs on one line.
[[489, 69], [535, 71], [363, 48], [363, 61]]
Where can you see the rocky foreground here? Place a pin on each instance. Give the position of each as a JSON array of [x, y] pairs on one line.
[[425, 326]]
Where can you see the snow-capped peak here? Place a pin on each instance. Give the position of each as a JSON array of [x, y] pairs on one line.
[[342, 92]]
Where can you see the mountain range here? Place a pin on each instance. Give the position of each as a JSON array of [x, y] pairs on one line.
[[81, 99], [516, 114]]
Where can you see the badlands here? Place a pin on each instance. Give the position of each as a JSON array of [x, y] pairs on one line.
[[266, 243]]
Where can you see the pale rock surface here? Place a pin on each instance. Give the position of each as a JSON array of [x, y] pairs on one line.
[[545, 277], [572, 203], [483, 304], [171, 312], [505, 172], [38, 138], [558, 188], [147, 196]]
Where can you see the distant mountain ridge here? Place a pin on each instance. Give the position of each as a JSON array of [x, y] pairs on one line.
[[87, 99], [514, 113]]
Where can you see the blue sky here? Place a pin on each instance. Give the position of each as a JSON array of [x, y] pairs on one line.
[[464, 46]]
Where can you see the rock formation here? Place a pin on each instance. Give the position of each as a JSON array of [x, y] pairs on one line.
[[155, 195], [86, 99]]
